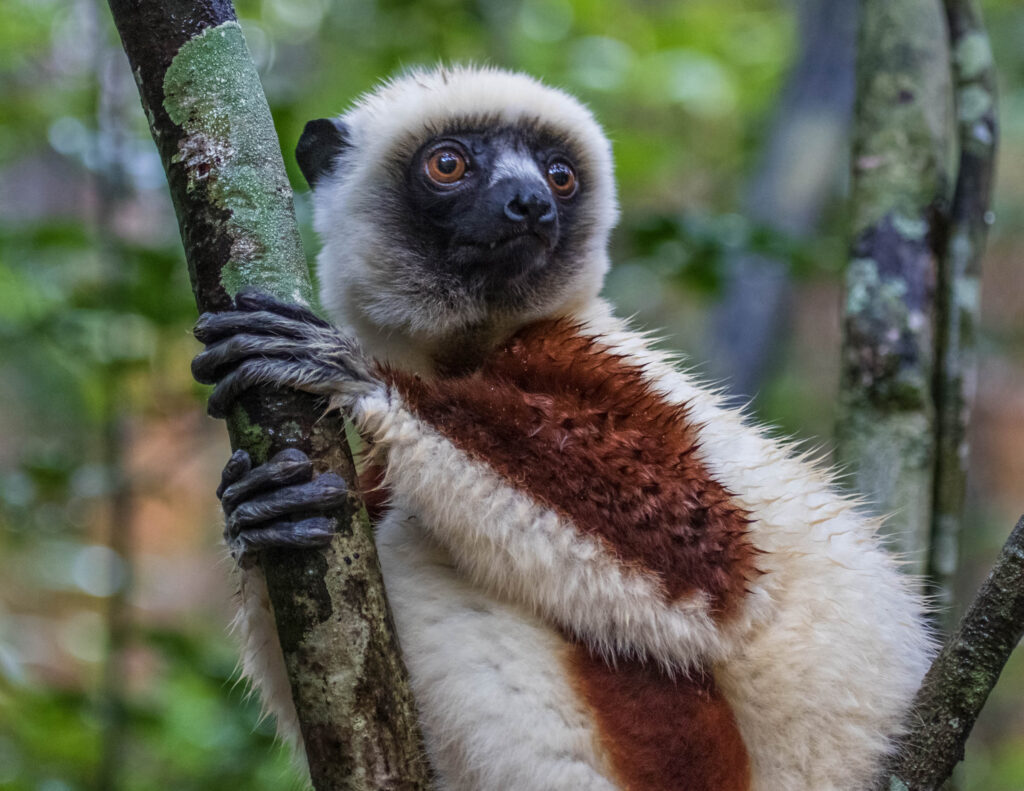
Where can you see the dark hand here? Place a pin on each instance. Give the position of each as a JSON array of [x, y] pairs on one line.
[[278, 504], [266, 341]]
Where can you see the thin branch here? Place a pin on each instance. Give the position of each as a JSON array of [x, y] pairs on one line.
[[962, 676], [210, 120], [958, 305]]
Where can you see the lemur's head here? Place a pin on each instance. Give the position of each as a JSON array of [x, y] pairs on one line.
[[456, 202]]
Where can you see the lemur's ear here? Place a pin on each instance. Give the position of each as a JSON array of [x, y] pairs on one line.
[[319, 145]]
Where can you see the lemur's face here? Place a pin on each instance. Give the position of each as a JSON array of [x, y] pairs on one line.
[[456, 205], [496, 208]]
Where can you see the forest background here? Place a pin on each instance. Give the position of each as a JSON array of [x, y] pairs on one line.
[[729, 122]]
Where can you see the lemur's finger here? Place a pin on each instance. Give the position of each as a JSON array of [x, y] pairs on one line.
[[238, 465], [212, 327], [321, 494], [252, 299], [249, 373], [314, 532], [262, 371], [209, 366], [289, 467]]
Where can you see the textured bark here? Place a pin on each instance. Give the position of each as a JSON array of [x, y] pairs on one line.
[[213, 128], [958, 306], [960, 679], [901, 135]]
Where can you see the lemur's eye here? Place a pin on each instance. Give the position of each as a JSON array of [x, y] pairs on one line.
[[446, 166], [562, 178]]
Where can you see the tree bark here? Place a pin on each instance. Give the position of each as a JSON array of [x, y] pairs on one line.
[[901, 138], [974, 81], [215, 135], [959, 681]]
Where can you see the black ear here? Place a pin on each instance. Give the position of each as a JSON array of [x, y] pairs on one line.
[[319, 145]]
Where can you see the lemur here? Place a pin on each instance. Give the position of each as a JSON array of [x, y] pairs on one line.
[[602, 576]]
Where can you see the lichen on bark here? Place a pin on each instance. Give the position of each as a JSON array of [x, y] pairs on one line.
[[208, 88], [900, 148]]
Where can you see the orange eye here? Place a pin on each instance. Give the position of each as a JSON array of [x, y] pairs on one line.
[[562, 178], [446, 166]]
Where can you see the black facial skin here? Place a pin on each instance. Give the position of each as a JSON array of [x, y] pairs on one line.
[[492, 237], [462, 263]]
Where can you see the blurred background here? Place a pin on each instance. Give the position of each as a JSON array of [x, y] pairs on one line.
[[729, 121]]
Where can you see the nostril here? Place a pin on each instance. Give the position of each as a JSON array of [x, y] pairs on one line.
[[549, 214], [516, 210], [541, 207]]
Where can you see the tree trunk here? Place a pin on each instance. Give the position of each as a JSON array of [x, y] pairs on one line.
[[902, 133], [213, 128]]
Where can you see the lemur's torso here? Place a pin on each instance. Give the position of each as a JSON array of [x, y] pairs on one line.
[[565, 427]]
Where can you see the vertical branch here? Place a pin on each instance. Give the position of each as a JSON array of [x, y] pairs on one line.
[[213, 129], [901, 134], [974, 79]]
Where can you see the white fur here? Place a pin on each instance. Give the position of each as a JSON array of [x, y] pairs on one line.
[[831, 646], [516, 164], [496, 709]]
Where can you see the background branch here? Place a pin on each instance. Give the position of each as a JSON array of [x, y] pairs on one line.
[[799, 168], [210, 120], [958, 303]]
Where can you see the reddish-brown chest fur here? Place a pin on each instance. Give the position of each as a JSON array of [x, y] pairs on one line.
[[583, 432]]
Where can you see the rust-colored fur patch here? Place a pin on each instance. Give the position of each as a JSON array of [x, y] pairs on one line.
[[373, 492], [660, 733], [582, 431]]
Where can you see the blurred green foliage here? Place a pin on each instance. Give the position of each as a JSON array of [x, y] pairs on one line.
[[95, 308], [191, 729]]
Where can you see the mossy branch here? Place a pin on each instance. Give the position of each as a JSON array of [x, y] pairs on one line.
[[958, 303], [962, 676], [212, 126]]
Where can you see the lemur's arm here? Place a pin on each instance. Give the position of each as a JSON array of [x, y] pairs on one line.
[[554, 476]]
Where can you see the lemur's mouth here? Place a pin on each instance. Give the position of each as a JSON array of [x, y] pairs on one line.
[[515, 240], [506, 258]]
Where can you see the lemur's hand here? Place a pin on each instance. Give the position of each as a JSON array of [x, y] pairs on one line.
[[278, 504], [266, 341]]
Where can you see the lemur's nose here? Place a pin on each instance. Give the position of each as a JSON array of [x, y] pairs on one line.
[[530, 205]]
